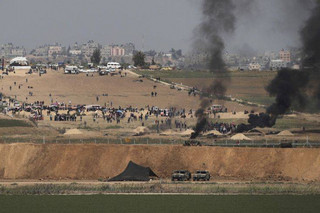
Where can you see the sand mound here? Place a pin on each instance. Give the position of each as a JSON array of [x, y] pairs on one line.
[[73, 132], [240, 137], [286, 133], [188, 132], [90, 162], [141, 130], [213, 132], [169, 133]]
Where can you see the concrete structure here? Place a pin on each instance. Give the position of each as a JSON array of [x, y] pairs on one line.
[[129, 48], [254, 67], [285, 56], [41, 51], [54, 50], [278, 64], [106, 52], [117, 51], [9, 51], [88, 48], [75, 52]]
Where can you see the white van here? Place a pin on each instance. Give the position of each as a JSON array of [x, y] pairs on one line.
[[113, 65], [71, 70]]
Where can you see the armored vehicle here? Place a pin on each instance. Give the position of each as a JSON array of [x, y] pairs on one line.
[[181, 175], [201, 175]]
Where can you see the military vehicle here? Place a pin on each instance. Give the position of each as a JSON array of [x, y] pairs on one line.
[[201, 175], [181, 175]]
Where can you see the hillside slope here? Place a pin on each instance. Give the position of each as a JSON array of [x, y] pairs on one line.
[[29, 161]]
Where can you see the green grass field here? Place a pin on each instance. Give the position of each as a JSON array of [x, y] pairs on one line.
[[159, 203]]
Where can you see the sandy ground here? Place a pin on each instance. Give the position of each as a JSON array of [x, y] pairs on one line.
[[88, 162], [80, 89], [91, 162]]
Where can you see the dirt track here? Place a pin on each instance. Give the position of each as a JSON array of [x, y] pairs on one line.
[[29, 161]]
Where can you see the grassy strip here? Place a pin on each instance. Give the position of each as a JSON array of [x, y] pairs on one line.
[[290, 123], [114, 127], [156, 203], [13, 123], [197, 188]]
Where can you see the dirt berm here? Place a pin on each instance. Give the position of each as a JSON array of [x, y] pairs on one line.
[[30, 161]]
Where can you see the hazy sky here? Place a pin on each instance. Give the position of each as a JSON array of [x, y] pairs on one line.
[[162, 23]]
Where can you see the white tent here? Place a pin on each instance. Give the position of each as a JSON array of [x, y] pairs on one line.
[[20, 63], [20, 60]]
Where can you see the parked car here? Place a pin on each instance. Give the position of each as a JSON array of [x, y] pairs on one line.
[[201, 175], [103, 72], [43, 71], [181, 175]]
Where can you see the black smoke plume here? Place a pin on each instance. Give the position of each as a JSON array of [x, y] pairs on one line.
[[295, 88], [262, 120], [218, 19], [310, 35], [289, 87]]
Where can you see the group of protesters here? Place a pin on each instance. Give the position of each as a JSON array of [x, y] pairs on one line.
[[223, 128]]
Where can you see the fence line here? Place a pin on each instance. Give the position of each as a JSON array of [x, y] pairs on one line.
[[151, 141]]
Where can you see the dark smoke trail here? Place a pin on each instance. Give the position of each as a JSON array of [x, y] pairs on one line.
[[310, 35], [290, 87], [218, 18]]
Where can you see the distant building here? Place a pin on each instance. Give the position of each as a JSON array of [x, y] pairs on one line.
[[10, 51], [106, 51], [169, 55], [254, 67], [41, 51], [278, 64], [285, 56], [18, 52], [88, 48], [117, 51], [271, 55], [54, 50], [75, 52], [129, 48]]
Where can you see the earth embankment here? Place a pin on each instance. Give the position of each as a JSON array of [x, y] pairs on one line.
[[31, 161]]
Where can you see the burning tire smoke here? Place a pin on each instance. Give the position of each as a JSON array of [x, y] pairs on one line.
[[289, 87], [292, 87], [218, 18]]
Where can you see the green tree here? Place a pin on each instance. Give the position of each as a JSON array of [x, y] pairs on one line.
[[139, 59], [96, 57]]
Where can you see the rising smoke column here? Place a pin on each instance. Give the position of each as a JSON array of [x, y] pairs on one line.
[[310, 36], [290, 87], [218, 19]]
